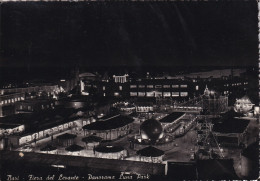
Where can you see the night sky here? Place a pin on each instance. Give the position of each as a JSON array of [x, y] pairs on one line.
[[129, 33]]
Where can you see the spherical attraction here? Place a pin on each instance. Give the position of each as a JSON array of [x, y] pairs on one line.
[[151, 129]]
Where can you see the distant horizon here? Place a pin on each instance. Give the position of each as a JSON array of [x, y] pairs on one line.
[[129, 34]]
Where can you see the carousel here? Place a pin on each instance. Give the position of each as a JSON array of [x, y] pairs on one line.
[[49, 149], [66, 139], [91, 141], [150, 154], [110, 152], [74, 150]]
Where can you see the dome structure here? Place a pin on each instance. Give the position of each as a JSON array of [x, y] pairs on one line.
[[152, 130]]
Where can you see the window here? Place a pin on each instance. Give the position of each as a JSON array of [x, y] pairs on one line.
[[29, 107], [149, 86], [166, 86], [184, 86], [141, 94], [175, 86], [116, 94], [133, 93], [120, 87], [149, 94], [197, 87], [158, 86], [104, 87], [132, 86], [184, 94], [167, 94], [104, 94], [141, 86], [175, 94]]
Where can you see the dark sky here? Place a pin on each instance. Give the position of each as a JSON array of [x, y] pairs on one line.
[[124, 33]]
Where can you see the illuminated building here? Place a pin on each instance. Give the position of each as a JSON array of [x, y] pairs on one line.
[[66, 139], [33, 105], [8, 100], [172, 119], [229, 135], [9, 129], [110, 128], [74, 150], [49, 149], [120, 79], [243, 105], [150, 154], [110, 152], [213, 102], [91, 142], [38, 88]]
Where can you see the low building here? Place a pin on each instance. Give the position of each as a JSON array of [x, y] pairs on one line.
[[7, 102], [66, 139], [150, 154], [74, 150], [91, 142], [144, 107], [9, 129], [75, 102], [49, 149], [172, 119], [111, 128], [47, 129], [33, 105], [125, 107], [110, 152], [231, 131], [243, 105]]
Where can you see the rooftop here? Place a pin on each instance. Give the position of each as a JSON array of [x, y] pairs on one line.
[[74, 147], [9, 126], [34, 101], [172, 117], [231, 125], [109, 149], [48, 148], [150, 151], [66, 136], [113, 123], [91, 139]]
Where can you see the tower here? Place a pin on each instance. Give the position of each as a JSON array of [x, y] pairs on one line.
[[206, 141]]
